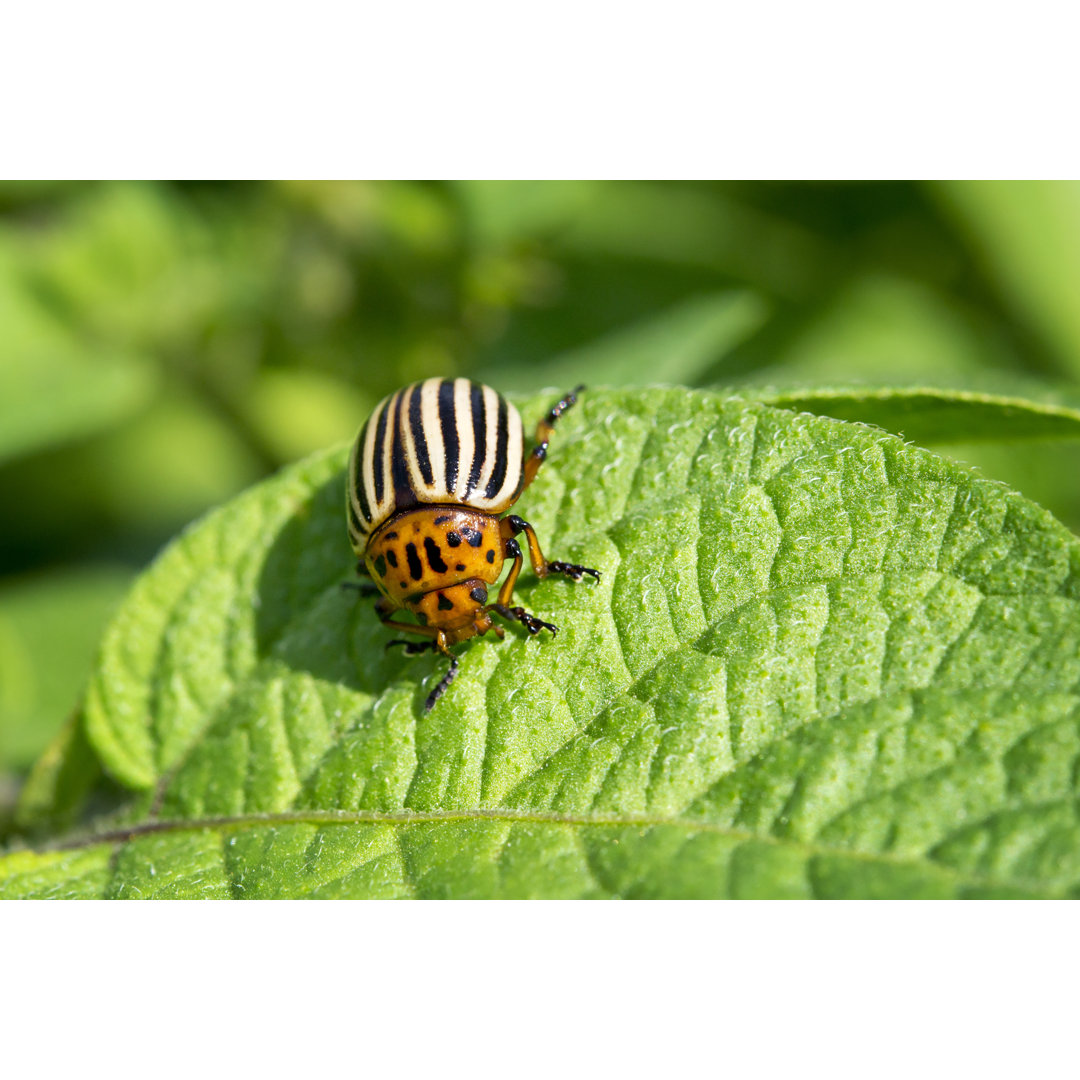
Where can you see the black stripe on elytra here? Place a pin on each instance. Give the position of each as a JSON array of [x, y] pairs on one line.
[[416, 425], [478, 408], [502, 437], [354, 518], [416, 571], [358, 478], [377, 463], [404, 496], [448, 423], [434, 556]]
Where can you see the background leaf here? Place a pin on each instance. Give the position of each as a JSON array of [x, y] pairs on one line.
[[51, 391], [1027, 235], [821, 663], [931, 415]]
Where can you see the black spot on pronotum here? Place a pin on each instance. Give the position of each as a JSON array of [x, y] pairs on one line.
[[442, 519], [422, 618], [479, 594], [380, 566], [444, 604], [434, 556], [402, 585], [474, 538], [391, 558], [491, 555], [453, 539], [460, 566], [416, 571], [390, 536]]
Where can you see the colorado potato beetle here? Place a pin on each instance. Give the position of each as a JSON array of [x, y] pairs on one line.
[[432, 474]]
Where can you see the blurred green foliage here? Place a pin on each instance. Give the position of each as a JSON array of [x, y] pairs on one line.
[[164, 345]]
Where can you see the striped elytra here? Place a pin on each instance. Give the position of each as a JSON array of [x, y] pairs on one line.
[[437, 441], [431, 476]]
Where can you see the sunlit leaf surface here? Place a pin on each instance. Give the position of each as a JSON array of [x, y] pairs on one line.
[[821, 663]]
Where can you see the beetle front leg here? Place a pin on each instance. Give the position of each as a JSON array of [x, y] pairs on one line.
[[436, 643], [513, 551], [515, 525], [528, 620], [506, 594]]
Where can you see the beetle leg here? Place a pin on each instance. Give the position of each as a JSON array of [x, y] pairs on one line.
[[384, 608], [529, 621], [444, 682], [543, 435], [412, 648], [513, 551], [514, 525], [502, 605], [412, 628], [436, 644], [366, 587]]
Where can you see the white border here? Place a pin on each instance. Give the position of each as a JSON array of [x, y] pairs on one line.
[[539, 990], [564, 89]]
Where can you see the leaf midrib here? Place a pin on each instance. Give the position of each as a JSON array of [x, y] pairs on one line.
[[406, 818]]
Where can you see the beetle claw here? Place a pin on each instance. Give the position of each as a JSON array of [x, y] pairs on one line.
[[572, 570], [531, 623]]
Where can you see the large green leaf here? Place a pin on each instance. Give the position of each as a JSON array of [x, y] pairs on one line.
[[821, 663], [933, 414], [1013, 434]]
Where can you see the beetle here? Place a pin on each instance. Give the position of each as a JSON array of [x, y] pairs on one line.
[[432, 474]]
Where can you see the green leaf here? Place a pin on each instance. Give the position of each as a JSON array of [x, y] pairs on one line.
[[49, 629], [932, 414], [883, 329], [690, 338], [1027, 235], [821, 663], [53, 388]]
